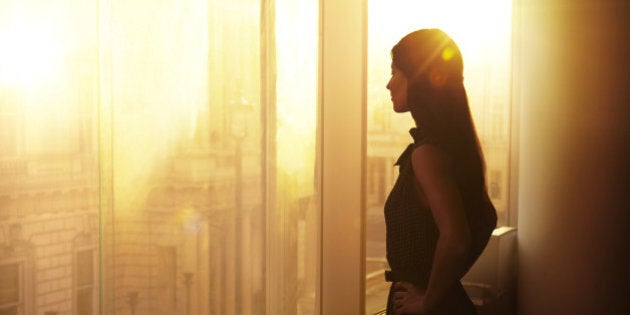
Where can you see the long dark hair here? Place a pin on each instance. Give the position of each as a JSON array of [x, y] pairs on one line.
[[433, 66]]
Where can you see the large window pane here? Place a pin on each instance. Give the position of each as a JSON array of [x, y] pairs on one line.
[[482, 30], [176, 220], [293, 247], [10, 285], [48, 157], [203, 160], [171, 126]]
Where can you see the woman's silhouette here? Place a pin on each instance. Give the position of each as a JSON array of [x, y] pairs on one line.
[[438, 215]]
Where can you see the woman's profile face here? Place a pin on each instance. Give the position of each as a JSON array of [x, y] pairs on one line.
[[397, 87]]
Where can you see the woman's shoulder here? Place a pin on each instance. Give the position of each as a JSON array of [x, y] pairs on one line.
[[430, 153], [431, 160]]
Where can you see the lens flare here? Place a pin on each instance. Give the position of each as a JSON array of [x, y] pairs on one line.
[[447, 53]]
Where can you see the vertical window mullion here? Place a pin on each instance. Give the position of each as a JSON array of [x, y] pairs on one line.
[[343, 116]]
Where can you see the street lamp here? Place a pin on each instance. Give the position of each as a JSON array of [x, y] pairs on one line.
[[239, 110], [188, 282], [132, 300]]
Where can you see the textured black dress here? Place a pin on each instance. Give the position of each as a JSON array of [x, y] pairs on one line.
[[412, 233]]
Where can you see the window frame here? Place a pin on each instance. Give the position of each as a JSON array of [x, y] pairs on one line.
[[19, 304], [342, 88], [22, 257]]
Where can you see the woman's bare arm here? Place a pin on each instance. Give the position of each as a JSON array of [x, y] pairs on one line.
[[433, 170]]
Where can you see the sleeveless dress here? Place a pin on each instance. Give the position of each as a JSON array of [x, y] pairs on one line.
[[412, 233]]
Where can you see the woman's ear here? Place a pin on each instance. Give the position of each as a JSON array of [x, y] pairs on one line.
[[437, 76]]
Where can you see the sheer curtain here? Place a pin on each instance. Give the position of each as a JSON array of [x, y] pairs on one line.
[[148, 157]]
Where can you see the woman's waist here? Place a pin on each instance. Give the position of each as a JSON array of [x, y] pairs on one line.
[[416, 276]]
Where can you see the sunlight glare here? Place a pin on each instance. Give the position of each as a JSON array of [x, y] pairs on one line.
[[472, 24], [30, 51], [296, 90]]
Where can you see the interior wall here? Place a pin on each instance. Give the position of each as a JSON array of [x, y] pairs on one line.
[[573, 103]]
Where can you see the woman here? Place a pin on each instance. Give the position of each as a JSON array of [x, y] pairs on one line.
[[438, 215]]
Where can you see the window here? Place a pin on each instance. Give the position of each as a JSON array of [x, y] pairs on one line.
[[207, 101], [482, 29], [11, 289], [183, 117]]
